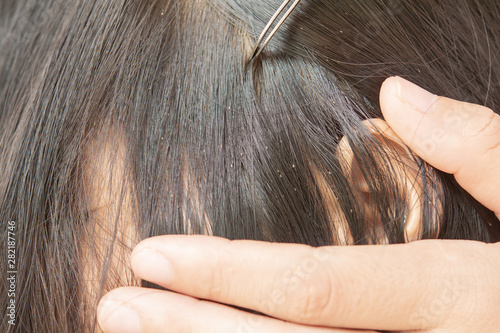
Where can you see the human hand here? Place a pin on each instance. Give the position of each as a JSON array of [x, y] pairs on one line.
[[459, 138], [426, 286]]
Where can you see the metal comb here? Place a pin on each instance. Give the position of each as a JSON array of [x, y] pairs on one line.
[[258, 48]]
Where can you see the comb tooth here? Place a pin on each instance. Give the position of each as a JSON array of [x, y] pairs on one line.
[[258, 48], [271, 21]]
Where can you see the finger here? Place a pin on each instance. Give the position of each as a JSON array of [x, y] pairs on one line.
[[367, 287], [456, 137], [134, 310]]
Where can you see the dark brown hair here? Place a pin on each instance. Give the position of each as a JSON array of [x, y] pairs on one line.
[[152, 105]]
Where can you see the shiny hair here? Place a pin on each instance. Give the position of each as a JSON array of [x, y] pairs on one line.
[[147, 114]]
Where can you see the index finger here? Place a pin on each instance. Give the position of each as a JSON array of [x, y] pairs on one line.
[[366, 287], [456, 137]]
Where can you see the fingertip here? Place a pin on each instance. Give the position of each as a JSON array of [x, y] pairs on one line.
[[394, 110], [120, 294], [115, 314], [389, 94], [400, 116], [156, 243], [389, 85], [405, 94], [152, 265]]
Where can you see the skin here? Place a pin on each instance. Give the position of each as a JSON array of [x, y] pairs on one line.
[[425, 286]]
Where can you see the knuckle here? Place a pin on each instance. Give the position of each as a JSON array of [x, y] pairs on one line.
[[491, 134], [313, 299], [479, 310], [478, 121], [213, 279], [468, 120]]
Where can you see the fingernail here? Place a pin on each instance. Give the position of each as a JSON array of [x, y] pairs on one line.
[[415, 97], [117, 317], [151, 265]]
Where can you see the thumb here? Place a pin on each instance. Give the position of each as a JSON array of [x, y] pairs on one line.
[[456, 137]]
